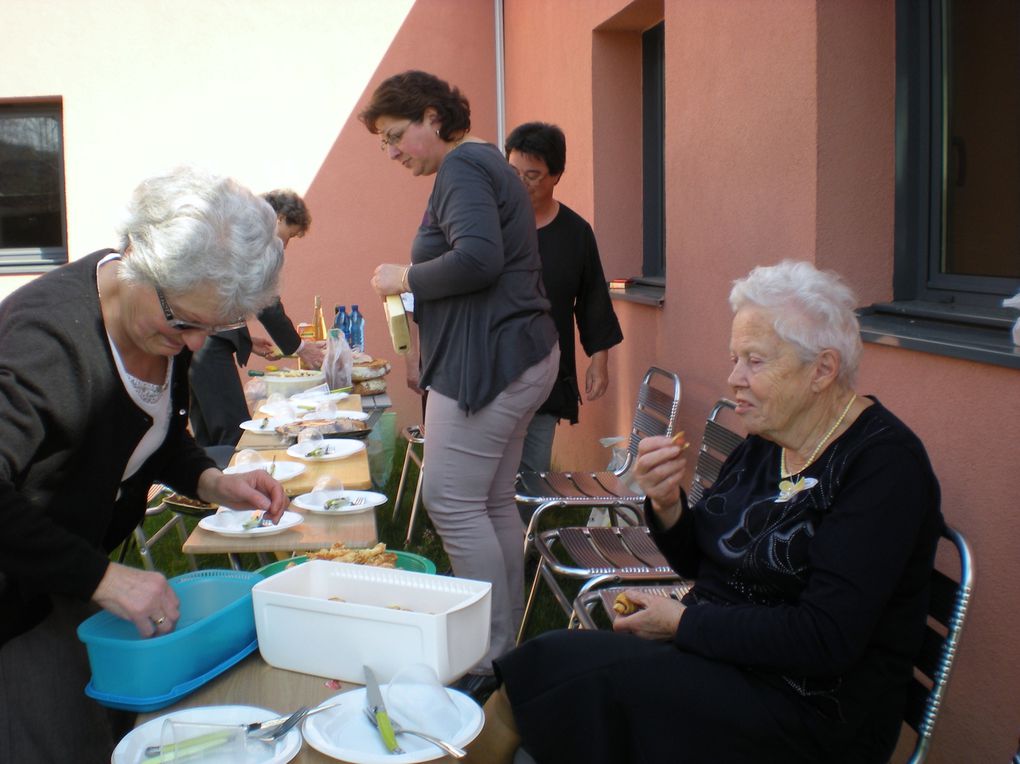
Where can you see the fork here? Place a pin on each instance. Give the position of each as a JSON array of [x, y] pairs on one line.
[[357, 501], [253, 730], [451, 750]]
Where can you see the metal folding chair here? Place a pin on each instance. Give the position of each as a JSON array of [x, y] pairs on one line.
[[415, 438], [576, 553], [654, 414], [144, 542]]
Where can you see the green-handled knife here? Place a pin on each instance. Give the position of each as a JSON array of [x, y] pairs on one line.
[[378, 708]]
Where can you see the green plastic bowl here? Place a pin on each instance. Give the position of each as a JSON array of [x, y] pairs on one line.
[[405, 561]]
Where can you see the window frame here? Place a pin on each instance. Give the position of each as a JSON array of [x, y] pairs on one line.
[[947, 314], [15, 260], [653, 134]]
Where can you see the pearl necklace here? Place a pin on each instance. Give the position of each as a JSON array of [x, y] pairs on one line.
[[788, 486]]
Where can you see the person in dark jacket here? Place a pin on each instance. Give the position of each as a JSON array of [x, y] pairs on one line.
[[811, 556], [489, 351], [218, 405], [93, 410], [574, 283]]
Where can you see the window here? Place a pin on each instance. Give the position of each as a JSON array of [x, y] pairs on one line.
[[957, 241], [653, 129], [33, 229]]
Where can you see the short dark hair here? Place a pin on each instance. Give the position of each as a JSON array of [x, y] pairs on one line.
[[542, 140], [290, 207], [410, 93]]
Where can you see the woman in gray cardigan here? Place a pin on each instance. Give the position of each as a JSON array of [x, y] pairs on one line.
[[489, 352]]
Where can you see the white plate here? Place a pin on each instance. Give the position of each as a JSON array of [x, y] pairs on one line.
[[131, 748], [317, 398], [361, 416], [315, 500], [227, 522], [281, 470], [271, 423], [345, 732], [338, 448], [281, 410]]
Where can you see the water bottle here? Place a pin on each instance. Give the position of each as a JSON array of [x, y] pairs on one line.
[[340, 318], [357, 341]]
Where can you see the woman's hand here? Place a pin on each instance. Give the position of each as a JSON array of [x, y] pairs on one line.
[[312, 353], [596, 379], [245, 490], [656, 617], [388, 279], [659, 470], [264, 347], [141, 596]]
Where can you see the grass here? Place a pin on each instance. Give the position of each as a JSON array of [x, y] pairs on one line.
[[168, 558]]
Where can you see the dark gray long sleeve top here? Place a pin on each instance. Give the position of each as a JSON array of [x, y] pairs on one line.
[[481, 308]]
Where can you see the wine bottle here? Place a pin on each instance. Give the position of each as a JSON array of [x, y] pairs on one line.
[[318, 320]]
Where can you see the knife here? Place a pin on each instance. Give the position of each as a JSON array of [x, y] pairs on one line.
[[375, 704]]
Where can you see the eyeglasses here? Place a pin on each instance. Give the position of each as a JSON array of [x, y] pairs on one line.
[[190, 326], [394, 137], [531, 177]]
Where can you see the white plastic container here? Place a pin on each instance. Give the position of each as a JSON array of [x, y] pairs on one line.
[[330, 619]]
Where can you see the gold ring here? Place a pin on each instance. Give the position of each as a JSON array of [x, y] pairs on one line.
[[158, 621]]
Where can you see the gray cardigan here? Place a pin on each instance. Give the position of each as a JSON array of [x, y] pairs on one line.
[[67, 430], [477, 280]]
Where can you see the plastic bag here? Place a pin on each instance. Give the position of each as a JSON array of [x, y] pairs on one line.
[[600, 515], [338, 361], [381, 444], [255, 390]]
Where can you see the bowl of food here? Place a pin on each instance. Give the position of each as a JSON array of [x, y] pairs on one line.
[[290, 381]]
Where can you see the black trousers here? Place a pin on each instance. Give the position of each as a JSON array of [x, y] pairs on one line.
[[217, 399]]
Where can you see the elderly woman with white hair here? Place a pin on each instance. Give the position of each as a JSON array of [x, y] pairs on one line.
[[93, 410], [811, 556]]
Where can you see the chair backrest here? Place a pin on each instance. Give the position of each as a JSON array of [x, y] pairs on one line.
[[946, 612], [717, 444], [658, 402]]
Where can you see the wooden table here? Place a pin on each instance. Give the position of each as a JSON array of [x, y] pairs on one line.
[[317, 531], [254, 682]]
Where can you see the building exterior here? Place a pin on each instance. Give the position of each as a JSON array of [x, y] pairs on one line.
[[785, 131]]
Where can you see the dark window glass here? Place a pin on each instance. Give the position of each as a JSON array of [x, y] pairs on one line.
[[32, 219], [958, 152], [653, 89]]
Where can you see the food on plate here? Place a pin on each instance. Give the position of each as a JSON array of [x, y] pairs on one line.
[[253, 521], [325, 426], [624, 605], [339, 552], [338, 503], [186, 501]]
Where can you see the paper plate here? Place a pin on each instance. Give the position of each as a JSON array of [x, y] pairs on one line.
[[280, 470], [227, 522], [314, 501], [345, 732], [131, 748], [265, 425], [332, 449]]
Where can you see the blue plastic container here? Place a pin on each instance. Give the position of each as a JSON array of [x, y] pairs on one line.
[[216, 627]]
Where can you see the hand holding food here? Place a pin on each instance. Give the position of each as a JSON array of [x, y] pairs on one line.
[[624, 605], [254, 489], [654, 617], [659, 470]]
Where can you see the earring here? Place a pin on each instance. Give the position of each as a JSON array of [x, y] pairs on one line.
[[437, 132]]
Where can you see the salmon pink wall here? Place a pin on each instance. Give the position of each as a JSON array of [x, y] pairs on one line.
[[779, 143]]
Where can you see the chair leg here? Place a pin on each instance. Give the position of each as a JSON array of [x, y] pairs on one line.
[[143, 548], [403, 479], [414, 506], [182, 533], [531, 600]]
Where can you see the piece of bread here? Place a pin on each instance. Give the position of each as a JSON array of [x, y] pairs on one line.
[[370, 387], [377, 367], [624, 605]]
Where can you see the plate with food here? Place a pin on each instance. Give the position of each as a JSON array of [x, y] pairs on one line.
[[325, 450], [336, 427], [359, 416], [266, 425], [247, 522], [186, 505], [338, 502], [280, 470]]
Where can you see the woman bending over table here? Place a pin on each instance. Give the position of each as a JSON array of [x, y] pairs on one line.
[[811, 556], [93, 410]]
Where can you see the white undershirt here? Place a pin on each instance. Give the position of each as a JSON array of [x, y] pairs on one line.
[[158, 408]]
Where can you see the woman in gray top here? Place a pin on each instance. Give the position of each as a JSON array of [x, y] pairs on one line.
[[489, 352]]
